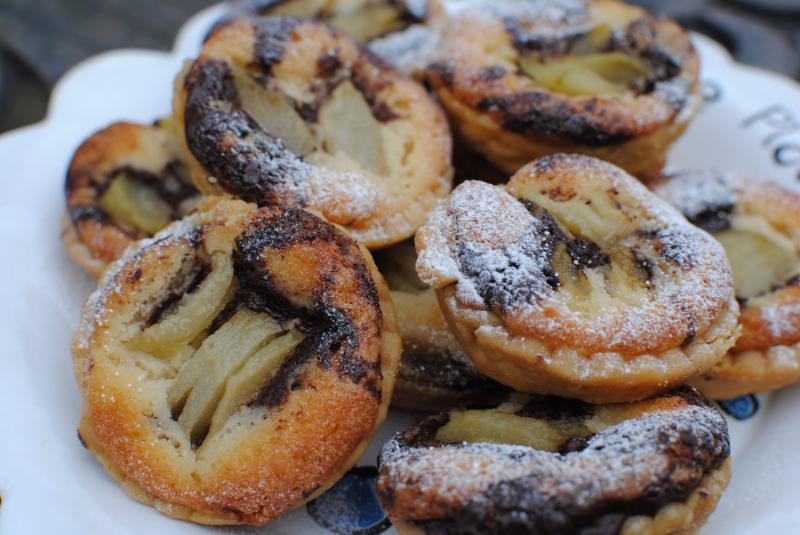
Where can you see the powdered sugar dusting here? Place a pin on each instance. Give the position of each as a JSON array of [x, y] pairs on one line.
[[344, 197], [487, 254], [624, 459], [411, 50], [782, 318], [500, 257], [552, 12]]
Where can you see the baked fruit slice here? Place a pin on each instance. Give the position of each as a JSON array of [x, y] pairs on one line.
[[575, 280], [125, 182], [295, 112], [237, 364], [521, 79], [550, 466], [756, 222]]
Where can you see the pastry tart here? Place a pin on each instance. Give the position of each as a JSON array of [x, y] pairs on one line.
[[125, 182], [577, 281], [758, 224], [292, 111], [552, 466], [237, 364], [434, 372], [363, 19], [522, 79]]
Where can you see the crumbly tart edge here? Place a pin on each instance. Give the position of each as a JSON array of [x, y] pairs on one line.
[[390, 358], [643, 156], [750, 372], [529, 366], [78, 251]]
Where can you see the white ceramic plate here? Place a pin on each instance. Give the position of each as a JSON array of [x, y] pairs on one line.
[[48, 483]]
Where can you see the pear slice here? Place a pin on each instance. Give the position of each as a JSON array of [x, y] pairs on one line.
[[591, 74], [201, 380], [759, 261], [349, 128], [594, 40], [194, 312], [273, 113], [256, 372], [368, 22], [298, 8], [136, 204], [616, 67], [502, 428]]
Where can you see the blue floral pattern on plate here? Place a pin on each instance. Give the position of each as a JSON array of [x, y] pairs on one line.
[[351, 506], [741, 408]]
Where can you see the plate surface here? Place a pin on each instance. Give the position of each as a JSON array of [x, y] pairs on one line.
[[750, 123]]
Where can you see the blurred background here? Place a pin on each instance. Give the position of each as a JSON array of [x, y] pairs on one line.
[[42, 39]]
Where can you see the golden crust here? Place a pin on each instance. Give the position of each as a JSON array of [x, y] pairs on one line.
[[602, 377], [261, 462], [93, 237], [589, 286], [105, 244], [378, 208], [747, 372], [684, 518], [765, 356], [512, 119], [673, 449]]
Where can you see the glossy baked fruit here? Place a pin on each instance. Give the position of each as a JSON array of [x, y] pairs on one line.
[[125, 182], [757, 223], [295, 112], [522, 79], [550, 466], [435, 374], [577, 281], [237, 364]]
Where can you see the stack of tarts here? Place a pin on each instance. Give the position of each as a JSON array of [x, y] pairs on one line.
[[243, 345]]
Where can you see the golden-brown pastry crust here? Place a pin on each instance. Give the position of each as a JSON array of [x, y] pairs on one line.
[[512, 118], [577, 281], [355, 139], [742, 211], [649, 468], [149, 156], [435, 374], [300, 426]]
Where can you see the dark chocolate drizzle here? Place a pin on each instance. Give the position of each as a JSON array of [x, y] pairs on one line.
[[539, 113], [193, 271], [504, 291], [331, 336], [246, 160], [262, 170], [714, 218], [271, 36], [525, 505], [556, 408]]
